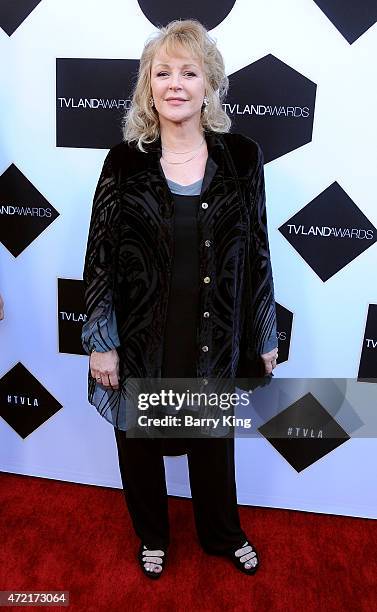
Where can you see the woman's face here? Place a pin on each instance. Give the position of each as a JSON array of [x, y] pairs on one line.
[[178, 87]]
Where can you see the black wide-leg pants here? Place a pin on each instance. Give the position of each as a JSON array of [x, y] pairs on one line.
[[213, 490]]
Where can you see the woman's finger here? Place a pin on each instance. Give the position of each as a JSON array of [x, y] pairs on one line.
[[108, 379], [95, 374], [113, 380], [105, 380]]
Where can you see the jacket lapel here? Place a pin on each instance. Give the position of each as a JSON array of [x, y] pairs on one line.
[[214, 171]]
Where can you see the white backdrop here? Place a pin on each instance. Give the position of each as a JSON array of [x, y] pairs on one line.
[[76, 444]]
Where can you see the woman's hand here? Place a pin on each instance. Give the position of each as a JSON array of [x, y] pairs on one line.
[[269, 360], [104, 367]]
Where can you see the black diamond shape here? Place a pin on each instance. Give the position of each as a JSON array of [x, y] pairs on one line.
[[12, 13], [351, 18], [330, 232], [24, 403], [295, 432], [24, 212]]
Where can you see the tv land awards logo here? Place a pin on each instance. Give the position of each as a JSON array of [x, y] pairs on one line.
[[71, 315], [12, 14], [273, 104], [304, 432], [92, 96], [267, 100], [284, 319], [24, 403], [368, 360], [352, 19], [24, 212], [329, 232]]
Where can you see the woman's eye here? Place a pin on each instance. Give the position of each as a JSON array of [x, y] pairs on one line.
[[186, 73]]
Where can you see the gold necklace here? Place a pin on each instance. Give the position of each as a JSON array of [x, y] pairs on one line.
[[183, 162], [186, 160], [183, 152]]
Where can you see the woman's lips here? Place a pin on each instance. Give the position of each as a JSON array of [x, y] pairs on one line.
[[175, 102]]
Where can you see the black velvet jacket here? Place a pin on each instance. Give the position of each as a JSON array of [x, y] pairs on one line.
[[129, 258]]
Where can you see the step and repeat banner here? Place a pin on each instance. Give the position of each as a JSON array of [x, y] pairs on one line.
[[302, 84]]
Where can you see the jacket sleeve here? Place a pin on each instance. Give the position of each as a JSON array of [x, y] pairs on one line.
[[99, 331], [262, 287]]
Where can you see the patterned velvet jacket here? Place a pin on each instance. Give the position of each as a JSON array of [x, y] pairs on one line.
[[129, 257]]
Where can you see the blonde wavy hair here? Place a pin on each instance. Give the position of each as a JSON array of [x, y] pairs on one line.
[[141, 123]]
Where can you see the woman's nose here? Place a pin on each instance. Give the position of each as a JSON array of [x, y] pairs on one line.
[[175, 81]]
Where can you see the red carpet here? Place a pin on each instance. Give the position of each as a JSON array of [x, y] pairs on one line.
[[78, 538]]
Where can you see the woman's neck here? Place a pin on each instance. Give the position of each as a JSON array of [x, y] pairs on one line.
[[181, 139]]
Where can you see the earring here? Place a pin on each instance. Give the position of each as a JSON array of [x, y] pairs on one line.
[[205, 103], [151, 102]]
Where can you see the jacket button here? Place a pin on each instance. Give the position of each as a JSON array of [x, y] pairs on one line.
[[207, 243], [206, 279], [206, 314], [205, 348], [205, 381], [204, 205]]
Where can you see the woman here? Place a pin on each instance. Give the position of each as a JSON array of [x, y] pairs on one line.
[[178, 280]]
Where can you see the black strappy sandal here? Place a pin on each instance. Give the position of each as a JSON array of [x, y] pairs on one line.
[[247, 557], [150, 555]]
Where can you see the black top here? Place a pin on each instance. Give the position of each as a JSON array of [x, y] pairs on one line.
[[181, 324]]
